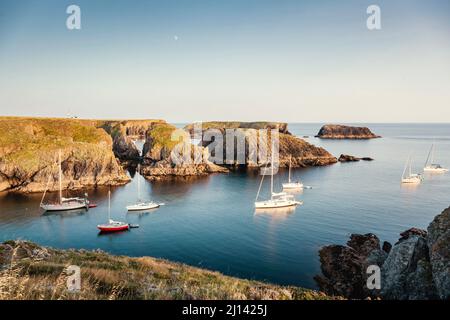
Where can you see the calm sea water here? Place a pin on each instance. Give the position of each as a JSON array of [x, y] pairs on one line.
[[210, 222]]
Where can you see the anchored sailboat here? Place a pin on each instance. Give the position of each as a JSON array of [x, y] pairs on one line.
[[140, 205], [290, 184], [63, 204], [277, 200], [112, 226], [432, 167], [411, 178]]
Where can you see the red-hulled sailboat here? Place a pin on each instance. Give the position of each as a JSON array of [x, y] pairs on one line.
[[112, 226]]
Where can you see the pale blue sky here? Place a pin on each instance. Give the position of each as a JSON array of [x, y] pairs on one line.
[[297, 61]]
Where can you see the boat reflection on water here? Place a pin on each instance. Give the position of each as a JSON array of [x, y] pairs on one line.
[[142, 213], [276, 214], [112, 234]]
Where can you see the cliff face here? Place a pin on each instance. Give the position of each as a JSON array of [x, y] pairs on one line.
[[302, 153], [160, 162], [333, 131], [29, 146], [124, 132], [416, 267], [282, 127]]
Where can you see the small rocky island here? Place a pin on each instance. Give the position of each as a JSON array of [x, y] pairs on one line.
[[335, 131], [416, 267]]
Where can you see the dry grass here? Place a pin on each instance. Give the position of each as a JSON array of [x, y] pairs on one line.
[[32, 272]]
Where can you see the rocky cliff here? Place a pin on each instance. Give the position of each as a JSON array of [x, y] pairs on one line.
[[416, 267], [334, 131], [168, 152], [124, 133], [29, 146], [302, 153]]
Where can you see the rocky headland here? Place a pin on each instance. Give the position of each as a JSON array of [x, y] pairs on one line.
[[417, 267], [334, 131], [31, 272], [302, 153], [161, 161], [29, 148]]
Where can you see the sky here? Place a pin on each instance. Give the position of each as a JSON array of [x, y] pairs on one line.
[[247, 60]]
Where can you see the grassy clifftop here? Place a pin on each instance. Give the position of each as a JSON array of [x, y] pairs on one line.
[[30, 141], [28, 147], [29, 271], [239, 124]]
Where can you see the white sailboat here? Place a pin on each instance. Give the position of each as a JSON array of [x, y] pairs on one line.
[[277, 200], [290, 185], [432, 167], [63, 204], [140, 205], [408, 177]]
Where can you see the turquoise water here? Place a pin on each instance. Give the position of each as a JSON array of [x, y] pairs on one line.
[[210, 222]]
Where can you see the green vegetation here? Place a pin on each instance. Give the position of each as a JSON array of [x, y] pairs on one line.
[[31, 143], [235, 125], [35, 272], [161, 136]]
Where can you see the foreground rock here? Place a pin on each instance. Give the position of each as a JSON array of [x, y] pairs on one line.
[[29, 146], [29, 271], [302, 153], [334, 131], [438, 241], [344, 267], [416, 267]]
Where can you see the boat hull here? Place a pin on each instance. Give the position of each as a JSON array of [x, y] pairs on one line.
[[63, 207], [143, 207], [273, 205], [287, 186], [435, 170], [106, 228], [411, 180]]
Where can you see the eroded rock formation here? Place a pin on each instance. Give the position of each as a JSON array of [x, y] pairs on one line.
[[166, 157], [416, 267], [248, 138]]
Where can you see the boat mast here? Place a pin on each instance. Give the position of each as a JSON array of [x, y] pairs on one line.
[[139, 184], [271, 176], [109, 205], [432, 154], [290, 168], [404, 169], [60, 177], [410, 160]]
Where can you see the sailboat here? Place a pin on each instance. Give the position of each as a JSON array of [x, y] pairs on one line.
[[411, 178], [63, 204], [277, 200], [140, 205], [290, 184], [112, 226], [432, 167]]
